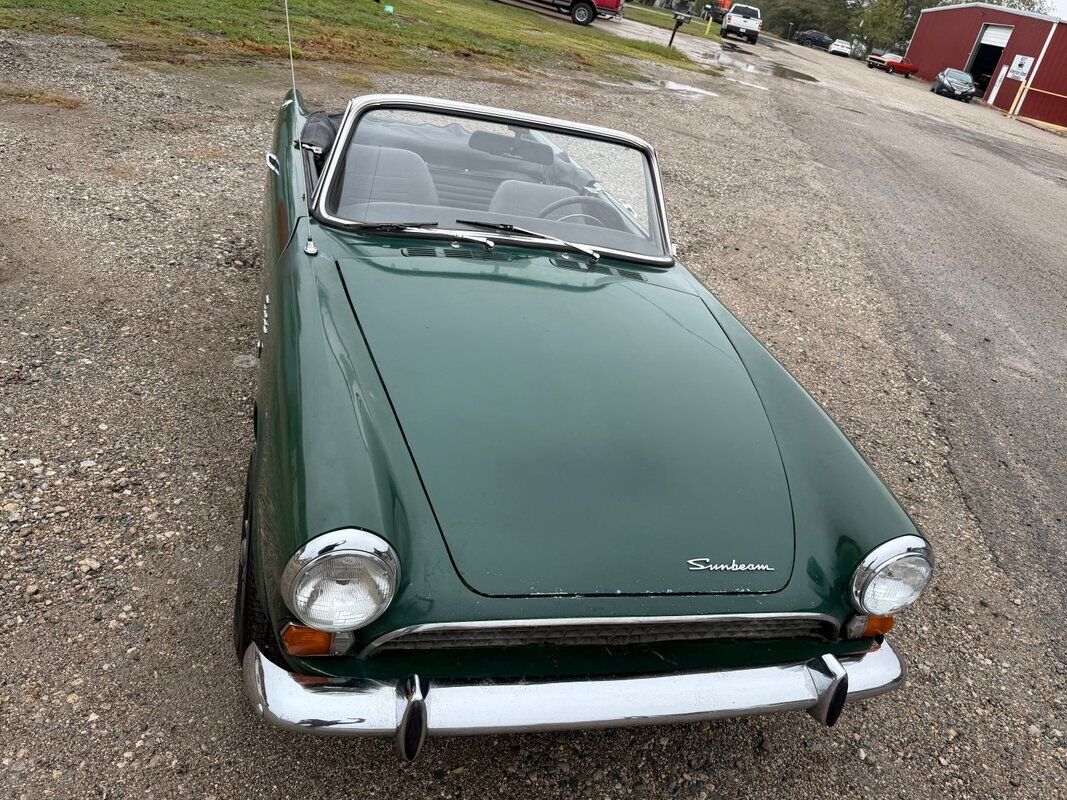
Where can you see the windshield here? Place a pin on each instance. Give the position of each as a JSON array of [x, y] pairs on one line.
[[407, 166], [748, 12], [957, 75]]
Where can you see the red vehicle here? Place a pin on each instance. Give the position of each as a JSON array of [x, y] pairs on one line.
[[891, 62], [716, 10], [582, 12]]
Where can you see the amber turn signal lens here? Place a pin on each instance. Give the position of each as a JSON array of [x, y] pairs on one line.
[[301, 640], [878, 625]]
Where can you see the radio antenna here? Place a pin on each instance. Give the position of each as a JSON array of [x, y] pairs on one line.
[[289, 35]]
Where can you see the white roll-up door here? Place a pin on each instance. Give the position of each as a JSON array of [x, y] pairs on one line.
[[996, 35]]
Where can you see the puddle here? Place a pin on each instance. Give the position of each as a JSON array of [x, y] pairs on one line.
[[673, 86], [734, 48], [750, 85], [685, 88], [784, 72], [762, 67]]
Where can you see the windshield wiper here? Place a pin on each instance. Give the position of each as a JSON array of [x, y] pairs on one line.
[[507, 227], [403, 227], [391, 226]]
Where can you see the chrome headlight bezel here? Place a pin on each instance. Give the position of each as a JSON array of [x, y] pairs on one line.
[[345, 542], [884, 556]]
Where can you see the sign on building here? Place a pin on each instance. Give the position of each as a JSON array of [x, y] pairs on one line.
[[1020, 67]]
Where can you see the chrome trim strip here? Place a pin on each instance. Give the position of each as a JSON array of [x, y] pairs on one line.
[[362, 707], [882, 556], [360, 105], [369, 649]]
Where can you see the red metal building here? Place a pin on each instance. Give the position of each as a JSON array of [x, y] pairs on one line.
[[1018, 58]]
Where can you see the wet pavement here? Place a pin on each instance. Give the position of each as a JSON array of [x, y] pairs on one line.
[[674, 86], [738, 62]]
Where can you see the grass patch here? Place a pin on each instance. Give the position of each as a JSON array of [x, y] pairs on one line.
[[37, 98], [421, 36], [666, 21]]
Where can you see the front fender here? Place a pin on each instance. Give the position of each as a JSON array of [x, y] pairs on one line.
[[841, 507], [320, 465]]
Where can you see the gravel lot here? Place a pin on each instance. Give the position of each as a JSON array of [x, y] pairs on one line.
[[852, 223]]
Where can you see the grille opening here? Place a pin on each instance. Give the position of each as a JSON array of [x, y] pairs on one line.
[[565, 264], [604, 633], [419, 252], [600, 269], [423, 251]]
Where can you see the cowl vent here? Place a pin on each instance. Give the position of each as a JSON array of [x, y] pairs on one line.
[[422, 251], [601, 269]]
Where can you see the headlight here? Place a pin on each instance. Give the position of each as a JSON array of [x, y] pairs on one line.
[[892, 576], [340, 580]]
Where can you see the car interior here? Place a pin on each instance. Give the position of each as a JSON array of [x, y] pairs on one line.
[[403, 170]]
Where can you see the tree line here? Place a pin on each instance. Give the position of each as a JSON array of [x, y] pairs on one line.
[[881, 24]]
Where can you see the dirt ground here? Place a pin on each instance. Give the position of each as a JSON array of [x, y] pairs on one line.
[[902, 254]]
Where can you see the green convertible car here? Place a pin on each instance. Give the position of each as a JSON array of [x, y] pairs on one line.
[[516, 469]]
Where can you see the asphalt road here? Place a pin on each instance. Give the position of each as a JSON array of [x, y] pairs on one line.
[[969, 221], [965, 213], [902, 254]]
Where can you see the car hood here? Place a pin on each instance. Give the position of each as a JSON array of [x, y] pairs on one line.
[[578, 432]]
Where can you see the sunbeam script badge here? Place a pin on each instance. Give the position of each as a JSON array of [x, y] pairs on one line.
[[733, 566]]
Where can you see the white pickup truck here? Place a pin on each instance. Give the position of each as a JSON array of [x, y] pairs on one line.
[[743, 21]]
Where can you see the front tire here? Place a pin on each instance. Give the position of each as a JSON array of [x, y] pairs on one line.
[[890, 70], [242, 621], [582, 13], [250, 622]]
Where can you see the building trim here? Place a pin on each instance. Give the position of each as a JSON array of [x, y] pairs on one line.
[[1033, 75], [991, 7]]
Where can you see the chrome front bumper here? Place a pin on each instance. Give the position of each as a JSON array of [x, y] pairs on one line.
[[413, 708]]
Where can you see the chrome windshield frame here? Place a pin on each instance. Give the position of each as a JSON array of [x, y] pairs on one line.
[[361, 105]]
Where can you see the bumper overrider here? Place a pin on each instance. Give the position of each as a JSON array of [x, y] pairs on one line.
[[413, 708]]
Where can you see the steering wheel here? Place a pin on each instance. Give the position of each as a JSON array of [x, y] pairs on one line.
[[594, 208]]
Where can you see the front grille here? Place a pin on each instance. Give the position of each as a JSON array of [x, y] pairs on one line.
[[561, 633]]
